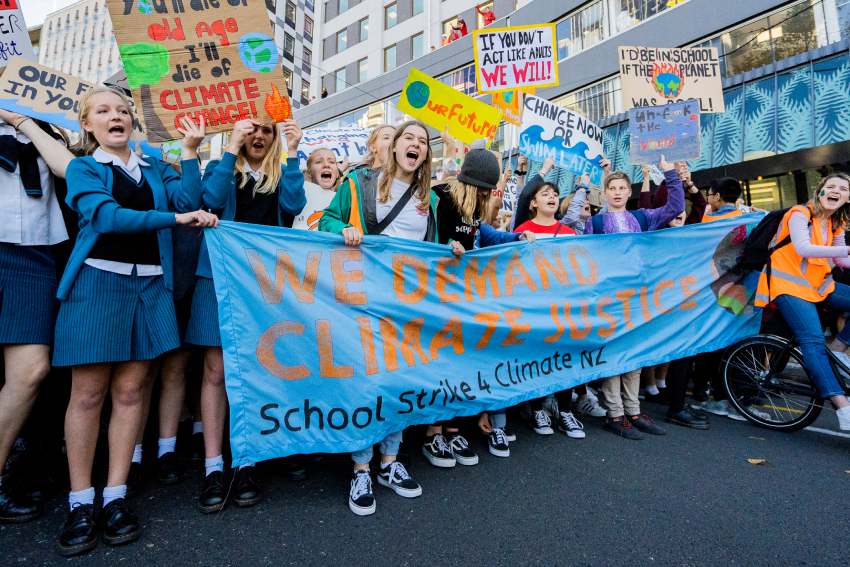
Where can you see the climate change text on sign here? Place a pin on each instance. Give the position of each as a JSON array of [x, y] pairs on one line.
[[509, 58], [653, 76], [329, 348], [210, 60]]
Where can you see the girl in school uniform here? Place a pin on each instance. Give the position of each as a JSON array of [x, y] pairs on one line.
[[30, 222], [117, 313], [247, 185]]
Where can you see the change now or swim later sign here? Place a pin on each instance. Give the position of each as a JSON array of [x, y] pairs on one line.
[[511, 58], [329, 348]]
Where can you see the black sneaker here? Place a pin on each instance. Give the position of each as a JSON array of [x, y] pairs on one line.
[[622, 427], [540, 423], [461, 451], [79, 534], [360, 497], [296, 468], [570, 426], [497, 442], [169, 470], [195, 452], [120, 524], [644, 423], [246, 489], [394, 475], [134, 481], [686, 419], [437, 451], [511, 437], [213, 497], [17, 510]]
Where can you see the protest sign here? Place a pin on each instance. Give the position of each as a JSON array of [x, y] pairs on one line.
[[573, 141], [509, 103], [346, 141], [653, 76], [595, 197], [205, 60], [14, 37], [438, 105], [509, 196], [671, 130], [509, 58], [318, 200], [329, 348]]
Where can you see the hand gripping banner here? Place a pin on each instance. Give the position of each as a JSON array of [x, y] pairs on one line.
[[329, 348]]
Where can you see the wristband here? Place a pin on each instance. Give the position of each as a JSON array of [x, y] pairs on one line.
[[582, 186]]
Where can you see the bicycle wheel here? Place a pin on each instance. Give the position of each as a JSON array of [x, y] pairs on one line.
[[787, 401]]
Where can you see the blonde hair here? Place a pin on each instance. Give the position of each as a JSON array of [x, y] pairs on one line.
[[421, 177], [841, 217], [614, 175], [308, 174], [369, 160], [565, 204], [467, 200], [88, 143], [270, 170]]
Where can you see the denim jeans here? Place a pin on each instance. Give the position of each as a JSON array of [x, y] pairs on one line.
[[389, 447], [498, 419], [802, 318]]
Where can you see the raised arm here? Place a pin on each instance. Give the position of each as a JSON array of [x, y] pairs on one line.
[[698, 204], [290, 190], [55, 155], [657, 218]]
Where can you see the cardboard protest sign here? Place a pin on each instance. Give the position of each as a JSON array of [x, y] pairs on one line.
[[509, 196], [671, 130], [573, 141], [653, 76], [14, 37], [508, 58], [318, 200], [211, 60], [595, 197], [347, 141], [438, 105], [509, 103]]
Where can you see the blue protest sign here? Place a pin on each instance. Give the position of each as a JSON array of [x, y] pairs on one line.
[[671, 130], [329, 348]]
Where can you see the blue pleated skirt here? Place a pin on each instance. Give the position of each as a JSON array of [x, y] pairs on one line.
[[28, 303], [110, 317], [203, 324]]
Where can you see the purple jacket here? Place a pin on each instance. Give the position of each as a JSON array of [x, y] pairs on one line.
[[655, 218]]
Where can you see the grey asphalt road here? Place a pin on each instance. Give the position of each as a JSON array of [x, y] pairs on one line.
[[689, 498]]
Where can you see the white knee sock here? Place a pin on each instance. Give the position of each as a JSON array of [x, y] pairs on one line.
[[197, 427], [661, 383], [137, 454], [166, 446], [214, 464], [81, 497], [111, 493], [652, 390]]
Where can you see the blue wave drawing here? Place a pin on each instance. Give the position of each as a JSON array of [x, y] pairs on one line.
[[56, 118], [574, 159]]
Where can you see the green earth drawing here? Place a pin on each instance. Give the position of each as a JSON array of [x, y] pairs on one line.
[[144, 63], [258, 52], [145, 7], [172, 149], [417, 94]]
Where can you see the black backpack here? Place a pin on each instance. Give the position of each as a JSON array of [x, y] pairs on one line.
[[757, 249]]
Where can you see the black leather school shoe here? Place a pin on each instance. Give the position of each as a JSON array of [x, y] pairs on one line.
[[79, 534], [120, 524], [247, 490], [212, 498]]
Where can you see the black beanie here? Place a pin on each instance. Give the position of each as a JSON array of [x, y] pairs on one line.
[[480, 168]]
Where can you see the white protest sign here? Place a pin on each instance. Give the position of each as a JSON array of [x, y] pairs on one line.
[[347, 141], [318, 200], [552, 131], [511, 58], [14, 37], [509, 195]]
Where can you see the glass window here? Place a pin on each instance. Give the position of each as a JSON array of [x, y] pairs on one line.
[[362, 70], [843, 9], [772, 193], [447, 26], [389, 58], [364, 29], [418, 6], [287, 76], [341, 41], [418, 45], [745, 49], [566, 40], [797, 29], [593, 25], [290, 11], [308, 26], [305, 91], [483, 7], [288, 44], [340, 80], [596, 101], [306, 60], [390, 16], [343, 6], [462, 80]]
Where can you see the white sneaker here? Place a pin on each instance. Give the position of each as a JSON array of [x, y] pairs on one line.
[[842, 356], [732, 413], [590, 406], [718, 408], [591, 393], [843, 418], [567, 423], [540, 423], [736, 415]]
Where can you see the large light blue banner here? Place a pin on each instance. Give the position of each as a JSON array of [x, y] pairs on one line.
[[329, 348]]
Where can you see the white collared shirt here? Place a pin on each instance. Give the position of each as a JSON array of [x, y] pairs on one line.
[[254, 174], [133, 168], [25, 220]]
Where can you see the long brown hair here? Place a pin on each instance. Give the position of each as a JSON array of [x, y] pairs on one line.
[[270, 169], [369, 160], [841, 217], [421, 177], [468, 200], [88, 143]]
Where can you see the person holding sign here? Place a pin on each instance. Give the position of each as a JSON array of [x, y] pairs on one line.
[[398, 202], [30, 222], [247, 185], [117, 313]]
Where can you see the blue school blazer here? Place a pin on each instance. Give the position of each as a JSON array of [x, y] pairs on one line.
[[90, 195], [220, 194]]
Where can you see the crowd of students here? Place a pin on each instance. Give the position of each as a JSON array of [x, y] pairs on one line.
[[134, 298]]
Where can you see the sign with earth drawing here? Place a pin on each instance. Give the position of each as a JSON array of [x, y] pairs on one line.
[[654, 76], [210, 60]]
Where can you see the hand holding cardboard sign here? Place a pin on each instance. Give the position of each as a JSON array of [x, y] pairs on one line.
[[548, 164], [192, 137], [605, 163], [665, 165], [13, 119], [449, 143]]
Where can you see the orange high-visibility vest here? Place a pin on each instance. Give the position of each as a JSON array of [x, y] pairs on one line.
[[710, 218], [790, 273]]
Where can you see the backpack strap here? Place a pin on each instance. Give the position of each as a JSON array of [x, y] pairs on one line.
[[596, 220], [641, 218], [379, 228]]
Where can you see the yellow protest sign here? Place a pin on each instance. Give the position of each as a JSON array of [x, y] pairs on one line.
[[438, 105], [510, 103]]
